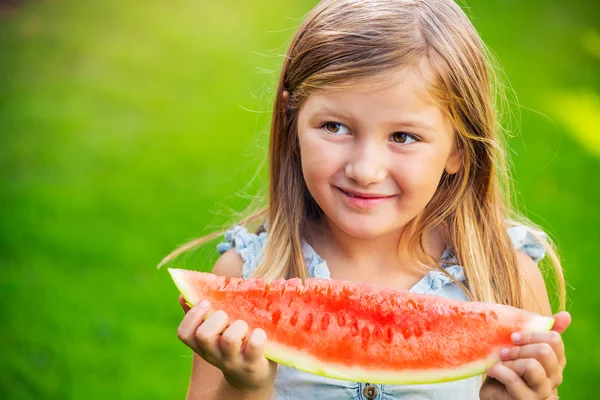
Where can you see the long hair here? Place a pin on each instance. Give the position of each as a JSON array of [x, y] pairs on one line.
[[343, 41]]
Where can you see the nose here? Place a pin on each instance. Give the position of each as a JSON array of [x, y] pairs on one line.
[[367, 166]]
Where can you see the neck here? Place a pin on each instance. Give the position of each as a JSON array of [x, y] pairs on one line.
[[380, 254]]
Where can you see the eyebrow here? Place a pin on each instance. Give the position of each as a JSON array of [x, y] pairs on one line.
[[415, 124], [324, 111]]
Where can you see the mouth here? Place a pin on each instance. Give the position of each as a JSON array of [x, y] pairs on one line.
[[364, 196], [363, 201]]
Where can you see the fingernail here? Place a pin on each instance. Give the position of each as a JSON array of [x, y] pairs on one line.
[[204, 304], [515, 337], [254, 340], [257, 338], [504, 353]]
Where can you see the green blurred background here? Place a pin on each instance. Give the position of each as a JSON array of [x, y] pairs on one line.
[[129, 127]]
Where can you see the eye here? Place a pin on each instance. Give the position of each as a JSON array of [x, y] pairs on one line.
[[335, 128], [404, 138]]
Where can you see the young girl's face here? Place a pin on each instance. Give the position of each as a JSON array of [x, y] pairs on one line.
[[373, 154]]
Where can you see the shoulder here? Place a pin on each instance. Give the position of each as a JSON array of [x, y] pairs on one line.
[[229, 264], [535, 295], [530, 248], [241, 251]]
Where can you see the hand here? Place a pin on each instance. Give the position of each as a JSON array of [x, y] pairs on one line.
[[530, 370], [228, 346]]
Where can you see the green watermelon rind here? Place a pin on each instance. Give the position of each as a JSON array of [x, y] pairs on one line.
[[297, 359], [290, 357]]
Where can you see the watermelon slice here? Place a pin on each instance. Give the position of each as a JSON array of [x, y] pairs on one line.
[[364, 332]]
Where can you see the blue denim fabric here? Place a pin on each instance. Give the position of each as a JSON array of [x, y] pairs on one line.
[[293, 384]]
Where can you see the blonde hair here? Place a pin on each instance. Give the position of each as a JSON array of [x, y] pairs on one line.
[[344, 41]]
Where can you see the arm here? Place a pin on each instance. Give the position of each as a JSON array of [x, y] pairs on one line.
[[207, 382], [535, 296]]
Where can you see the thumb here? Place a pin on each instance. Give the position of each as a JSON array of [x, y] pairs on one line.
[[185, 307], [562, 320]]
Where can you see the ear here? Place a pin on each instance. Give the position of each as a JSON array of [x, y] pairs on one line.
[[285, 97], [454, 162]]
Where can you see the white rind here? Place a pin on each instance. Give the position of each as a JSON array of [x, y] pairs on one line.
[[305, 362], [188, 291], [287, 356], [539, 323]]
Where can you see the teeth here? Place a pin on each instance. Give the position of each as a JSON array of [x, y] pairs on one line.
[[350, 194]]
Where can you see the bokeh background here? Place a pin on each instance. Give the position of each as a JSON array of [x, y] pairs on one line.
[[129, 127]]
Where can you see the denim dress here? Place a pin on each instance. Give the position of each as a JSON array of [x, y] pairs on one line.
[[293, 384]]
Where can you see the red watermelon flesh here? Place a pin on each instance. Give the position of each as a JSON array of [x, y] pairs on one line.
[[364, 332]]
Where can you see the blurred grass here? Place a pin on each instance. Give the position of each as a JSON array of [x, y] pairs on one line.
[[129, 127]]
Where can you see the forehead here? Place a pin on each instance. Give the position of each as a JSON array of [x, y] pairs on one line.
[[419, 76], [419, 79]]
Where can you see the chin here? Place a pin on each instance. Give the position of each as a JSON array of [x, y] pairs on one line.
[[361, 229]]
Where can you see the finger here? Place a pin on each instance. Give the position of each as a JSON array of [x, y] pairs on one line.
[[532, 374], [192, 319], [231, 340], [255, 346], [542, 352], [562, 320], [183, 304], [553, 338], [515, 386], [207, 336]]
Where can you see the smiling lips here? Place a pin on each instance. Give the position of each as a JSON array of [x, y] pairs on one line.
[[363, 200]]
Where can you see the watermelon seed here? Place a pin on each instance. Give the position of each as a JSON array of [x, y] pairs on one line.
[[365, 334], [406, 333], [389, 335], [354, 328], [294, 318], [341, 319], [290, 302], [418, 331], [324, 322], [276, 316], [376, 333], [269, 304], [309, 321]]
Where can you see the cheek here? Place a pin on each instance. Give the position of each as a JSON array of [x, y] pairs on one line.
[[419, 176], [311, 155], [320, 161]]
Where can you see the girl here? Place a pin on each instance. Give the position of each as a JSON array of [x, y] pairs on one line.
[[385, 167]]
